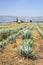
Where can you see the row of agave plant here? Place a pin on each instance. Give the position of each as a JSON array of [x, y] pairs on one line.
[[40, 31], [21, 31], [12, 37], [9, 35], [26, 47], [6, 33]]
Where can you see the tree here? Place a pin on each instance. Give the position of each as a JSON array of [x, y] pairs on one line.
[[30, 20], [17, 19], [21, 21]]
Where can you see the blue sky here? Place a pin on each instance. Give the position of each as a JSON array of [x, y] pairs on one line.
[[21, 7]]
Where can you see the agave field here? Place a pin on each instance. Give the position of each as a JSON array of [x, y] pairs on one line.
[[21, 43]]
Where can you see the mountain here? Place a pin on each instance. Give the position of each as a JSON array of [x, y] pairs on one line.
[[25, 18]]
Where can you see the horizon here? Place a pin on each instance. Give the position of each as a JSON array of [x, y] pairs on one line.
[[24, 18]]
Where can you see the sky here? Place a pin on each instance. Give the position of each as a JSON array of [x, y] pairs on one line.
[[21, 7]]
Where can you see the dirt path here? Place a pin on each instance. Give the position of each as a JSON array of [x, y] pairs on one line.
[[39, 42]]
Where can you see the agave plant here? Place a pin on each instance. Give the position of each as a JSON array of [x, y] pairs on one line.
[[26, 34], [31, 27], [2, 44], [11, 38], [30, 42], [25, 48]]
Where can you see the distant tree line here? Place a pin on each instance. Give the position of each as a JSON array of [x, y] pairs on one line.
[[21, 21]]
